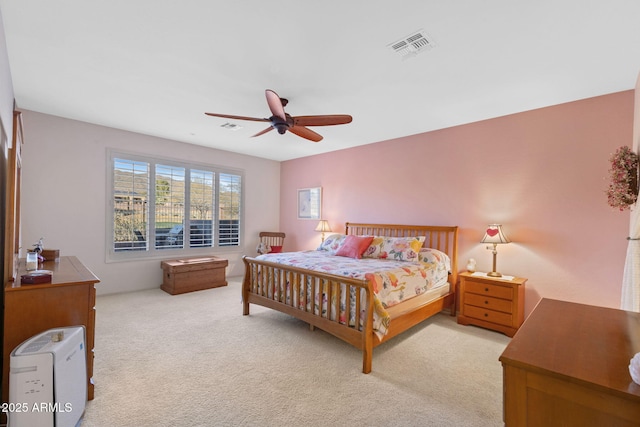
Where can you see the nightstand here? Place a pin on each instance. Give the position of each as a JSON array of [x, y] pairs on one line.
[[492, 302]]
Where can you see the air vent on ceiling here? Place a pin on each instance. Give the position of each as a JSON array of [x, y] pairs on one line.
[[413, 44], [231, 126]]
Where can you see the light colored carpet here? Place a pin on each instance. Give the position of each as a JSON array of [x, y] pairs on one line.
[[194, 360]]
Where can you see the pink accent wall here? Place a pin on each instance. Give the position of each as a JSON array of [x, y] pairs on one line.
[[540, 173]]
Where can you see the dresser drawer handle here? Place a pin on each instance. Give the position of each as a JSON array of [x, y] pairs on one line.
[[486, 289], [486, 315], [486, 302]]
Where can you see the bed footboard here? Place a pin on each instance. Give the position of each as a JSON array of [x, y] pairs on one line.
[[341, 306]]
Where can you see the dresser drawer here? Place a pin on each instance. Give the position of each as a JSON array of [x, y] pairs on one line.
[[489, 303], [504, 292], [488, 315]]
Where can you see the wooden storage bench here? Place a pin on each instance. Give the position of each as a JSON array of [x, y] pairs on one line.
[[193, 274]]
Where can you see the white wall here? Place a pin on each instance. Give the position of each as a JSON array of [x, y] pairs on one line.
[[6, 87], [64, 194]]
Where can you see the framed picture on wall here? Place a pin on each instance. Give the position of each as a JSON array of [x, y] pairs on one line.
[[309, 203]]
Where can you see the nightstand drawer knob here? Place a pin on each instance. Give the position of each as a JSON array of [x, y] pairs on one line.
[[486, 315], [486, 289], [486, 302]]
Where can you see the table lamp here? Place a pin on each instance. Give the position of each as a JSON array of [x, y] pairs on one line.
[[323, 226], [494, 235]]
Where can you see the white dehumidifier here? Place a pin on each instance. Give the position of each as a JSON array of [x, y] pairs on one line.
[[48, 379]]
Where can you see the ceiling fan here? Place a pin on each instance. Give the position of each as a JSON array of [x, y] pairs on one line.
[[283, 122]]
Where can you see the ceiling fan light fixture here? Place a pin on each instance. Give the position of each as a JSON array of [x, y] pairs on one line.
[[281, 128]]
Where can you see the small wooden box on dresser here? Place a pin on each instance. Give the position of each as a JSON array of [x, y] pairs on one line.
[[492, 302]]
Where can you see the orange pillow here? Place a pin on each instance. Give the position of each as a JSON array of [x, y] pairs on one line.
[[354, 246]]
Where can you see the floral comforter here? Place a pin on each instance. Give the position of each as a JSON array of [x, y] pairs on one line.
[[393, 281]]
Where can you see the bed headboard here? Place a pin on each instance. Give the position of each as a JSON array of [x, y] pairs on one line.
[[442, 238]]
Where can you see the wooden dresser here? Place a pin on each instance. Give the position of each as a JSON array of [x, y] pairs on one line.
[[69, 300], [568, 365], [492, 302]]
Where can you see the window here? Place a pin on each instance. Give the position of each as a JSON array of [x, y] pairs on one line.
[[161, 206]]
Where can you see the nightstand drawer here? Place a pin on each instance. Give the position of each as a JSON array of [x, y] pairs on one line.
[[488, 315], [497, 291], [489, 303]]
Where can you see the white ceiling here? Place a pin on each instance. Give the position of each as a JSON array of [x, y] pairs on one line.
[[155, 66]]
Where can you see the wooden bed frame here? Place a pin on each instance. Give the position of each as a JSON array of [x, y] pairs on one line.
[[403, 316]]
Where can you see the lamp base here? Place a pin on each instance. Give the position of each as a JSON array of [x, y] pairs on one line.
[[494, 274]]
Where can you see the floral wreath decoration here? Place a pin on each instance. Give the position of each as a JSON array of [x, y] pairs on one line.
[[623, 188]]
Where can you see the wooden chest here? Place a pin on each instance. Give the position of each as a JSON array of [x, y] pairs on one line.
[[193, 274]]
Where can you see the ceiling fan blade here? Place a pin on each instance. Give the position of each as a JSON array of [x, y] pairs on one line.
[[262, 132], [275, 104], [229, 116], [306, 133], [326, 120]]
